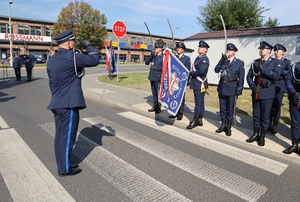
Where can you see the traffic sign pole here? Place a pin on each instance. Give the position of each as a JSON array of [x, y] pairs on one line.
[[119, 29]]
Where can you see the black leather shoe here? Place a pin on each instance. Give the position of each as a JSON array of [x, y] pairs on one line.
[[179, 117], [152, 109], [74, 166], [172, 117], [72, 172]]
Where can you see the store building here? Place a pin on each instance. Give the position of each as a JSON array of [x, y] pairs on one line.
[[35, 35]]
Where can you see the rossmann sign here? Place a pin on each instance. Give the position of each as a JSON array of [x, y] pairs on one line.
[[21, 37]]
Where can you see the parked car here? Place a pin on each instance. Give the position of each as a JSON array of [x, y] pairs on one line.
[[37, 59], [102, 59]]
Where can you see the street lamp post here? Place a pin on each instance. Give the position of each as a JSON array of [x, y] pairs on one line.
[[51, 42], [10, 38]]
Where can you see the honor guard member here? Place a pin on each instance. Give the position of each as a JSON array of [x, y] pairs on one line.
[[186, 61], [156, 62], [17, 64], [230, 86], [260, 78], [279, 51], [29, 64], [292, 82], [65, 70], [199, 83]]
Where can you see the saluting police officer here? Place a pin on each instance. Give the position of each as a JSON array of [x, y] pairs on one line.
[[156, 62], [230, 85], [260, 78], [199, 83], [279, 51], [186, 61], [29, 64], [292, 82], [65, 70]]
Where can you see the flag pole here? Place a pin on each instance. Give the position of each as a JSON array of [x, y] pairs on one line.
[[118, 61]]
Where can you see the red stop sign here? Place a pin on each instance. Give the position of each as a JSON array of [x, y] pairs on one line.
[[119, 29]]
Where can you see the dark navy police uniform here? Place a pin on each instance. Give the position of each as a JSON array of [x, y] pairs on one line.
[[67, 96], [17, 64], [156, 63], [280, 90], [230, 85], [199, 85], [292, 82], [29, 64], [262, 106]]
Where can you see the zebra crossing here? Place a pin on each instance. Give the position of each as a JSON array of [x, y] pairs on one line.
[[129, 180]]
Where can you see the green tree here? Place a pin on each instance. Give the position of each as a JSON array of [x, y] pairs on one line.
[[86, 22], [237, 14], [271, 22]]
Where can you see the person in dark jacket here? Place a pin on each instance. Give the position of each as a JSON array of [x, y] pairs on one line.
[[155, 61], [261, 79], [279, 51], [199, 83], [230, 85], [292, 82], [65, 70], [29, 64], [17, 64], [186, 61]]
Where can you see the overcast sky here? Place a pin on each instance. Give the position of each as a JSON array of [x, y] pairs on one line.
[[181, 13]]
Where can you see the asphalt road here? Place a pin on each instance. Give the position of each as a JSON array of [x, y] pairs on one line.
[[126, 155]]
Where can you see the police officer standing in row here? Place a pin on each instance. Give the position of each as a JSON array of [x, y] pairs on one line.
[[230, 85], [17, 64], [156, 62], [65, 70], [292, 82], [260, 78], [186, 61], [279, 51], [29, 64], [199, 83]]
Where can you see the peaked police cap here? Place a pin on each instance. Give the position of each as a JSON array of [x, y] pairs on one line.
[[180, 45], [231, 46], [65, 36], [264, 44], [203, 44], [279, 47]]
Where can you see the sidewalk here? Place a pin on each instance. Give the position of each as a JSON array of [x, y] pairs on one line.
[[142, 101]]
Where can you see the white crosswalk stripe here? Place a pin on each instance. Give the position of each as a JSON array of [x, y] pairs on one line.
[[139, 186], [132, 182], [35, 183], [235, 184], [3, 123], [252, 159]]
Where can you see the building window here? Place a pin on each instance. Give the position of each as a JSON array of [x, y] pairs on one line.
[[48, 31], [24, 29], [135, 58], [35, 30], [4, 28]]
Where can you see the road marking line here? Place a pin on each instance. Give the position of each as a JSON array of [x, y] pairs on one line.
[[3, 124], [26, 177], [132, 182], [235, 184], [249, 158]]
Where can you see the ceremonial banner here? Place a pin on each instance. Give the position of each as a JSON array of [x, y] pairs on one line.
[[107, 60], [113, 61], [174, 79]]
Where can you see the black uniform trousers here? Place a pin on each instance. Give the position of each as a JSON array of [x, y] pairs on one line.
[[18, 73], [295, 120], [261, 112], [199, 102], [66, 125], [29, 72], [154, 89], [226, 107], [276, 110]]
